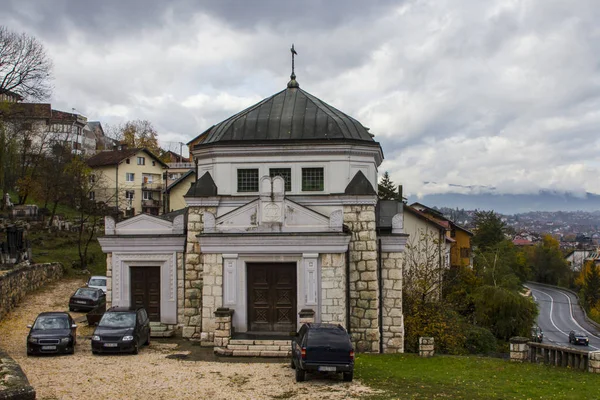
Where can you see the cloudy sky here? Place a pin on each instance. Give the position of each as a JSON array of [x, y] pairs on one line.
[[500, 94]]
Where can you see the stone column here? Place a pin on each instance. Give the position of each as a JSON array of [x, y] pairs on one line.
[[109, 291], [594, 362], [223, 328], [519, 349], [426, 346], [307, 316], [392, 318], [364, 296]]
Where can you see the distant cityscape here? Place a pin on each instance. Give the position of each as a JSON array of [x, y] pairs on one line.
[[572, 228]]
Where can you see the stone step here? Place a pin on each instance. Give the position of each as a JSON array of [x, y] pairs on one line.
[[158, 327], [252, 353], [258, 342], [161, 333]]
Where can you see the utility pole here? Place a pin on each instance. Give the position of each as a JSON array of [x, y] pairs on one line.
[[180, 152]]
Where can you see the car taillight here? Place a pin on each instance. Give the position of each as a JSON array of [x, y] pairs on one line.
[[352, 354], [303, 353]]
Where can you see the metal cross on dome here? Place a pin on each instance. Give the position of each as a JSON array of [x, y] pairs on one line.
[[292, 83]]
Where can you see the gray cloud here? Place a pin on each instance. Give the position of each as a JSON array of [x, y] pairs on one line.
[[494, 93]]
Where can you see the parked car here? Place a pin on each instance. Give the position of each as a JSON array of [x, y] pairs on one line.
[[86, 298], [324, 348], [97, 282], [537, 335], [52, 333], [577, 337], [121, 330]]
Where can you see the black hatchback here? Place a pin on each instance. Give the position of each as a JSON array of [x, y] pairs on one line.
[[121, 330], [52, 333], [86, 299], [322, 348]]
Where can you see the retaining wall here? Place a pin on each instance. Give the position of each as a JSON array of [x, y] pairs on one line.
[[13, 382], [25, 278]]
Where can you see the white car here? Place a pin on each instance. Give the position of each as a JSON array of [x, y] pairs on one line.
[[97, 282]]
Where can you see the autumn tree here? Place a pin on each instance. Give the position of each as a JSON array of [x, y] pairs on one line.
[[25, 69], [548, 263], [591, 285], [138, 133], [423, 268], [386, 188]]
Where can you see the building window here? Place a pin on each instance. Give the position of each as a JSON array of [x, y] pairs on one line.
[[465, 252], [146, 195], [92, 178], [141, 161], [247, 180], [312, 180], [92, 196], [129, 194], [153, 163], [129, 177], [126, 161], [285, 173]]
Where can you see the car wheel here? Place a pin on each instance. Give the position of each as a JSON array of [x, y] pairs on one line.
[[292, 365], [147, 341], [71, 309], [136, 348], [300, 375], [348, 376], [94, 352]]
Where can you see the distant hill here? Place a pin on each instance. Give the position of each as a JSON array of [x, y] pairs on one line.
[[545, 200]]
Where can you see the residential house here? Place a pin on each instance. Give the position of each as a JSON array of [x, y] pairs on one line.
[[175, 192], [280, 222], [130, 180], [178, 166], [460, 237]]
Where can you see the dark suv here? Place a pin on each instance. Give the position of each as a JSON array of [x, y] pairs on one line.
[[121, 330], [322, 347]]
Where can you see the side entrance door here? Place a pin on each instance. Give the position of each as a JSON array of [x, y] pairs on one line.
[[272, 297], [145, 290]]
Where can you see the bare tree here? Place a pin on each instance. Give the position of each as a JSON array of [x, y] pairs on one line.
[[424, 265], [25, 69]]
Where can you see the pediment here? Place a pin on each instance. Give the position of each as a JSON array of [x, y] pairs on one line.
[[266, 215], [240, 219], [144, 224]]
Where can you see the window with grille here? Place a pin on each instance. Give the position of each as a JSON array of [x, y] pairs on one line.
[[285, 173], [312, 179], [141, 161], [247, 180], [129, 177], [129, 194]]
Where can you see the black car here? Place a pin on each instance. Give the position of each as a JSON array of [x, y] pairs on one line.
[[86, 299], [537, 335], [52, 333], [576, 337], [324, 348], [121, 330]]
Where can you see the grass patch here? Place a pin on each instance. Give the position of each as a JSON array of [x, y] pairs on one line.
[[408, 376], [62, 247]]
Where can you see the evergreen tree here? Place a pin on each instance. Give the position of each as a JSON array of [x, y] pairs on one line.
[[489, 229], [386, 188]]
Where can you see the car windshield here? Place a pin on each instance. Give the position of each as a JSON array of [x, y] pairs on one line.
[[579, 334], [47, 322], [97, 282], [87, 293], [326, 337], [118, 320]]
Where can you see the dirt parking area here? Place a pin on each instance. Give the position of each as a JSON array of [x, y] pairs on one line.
[[167, 369]]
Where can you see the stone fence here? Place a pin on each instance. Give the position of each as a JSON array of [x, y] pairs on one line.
[[13, 382], [22, 279], [522, 350]]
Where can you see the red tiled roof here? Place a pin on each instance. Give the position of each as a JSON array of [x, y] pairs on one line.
[[106, 158], [522, 242]]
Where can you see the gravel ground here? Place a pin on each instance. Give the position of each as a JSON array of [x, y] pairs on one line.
[[150, 374]]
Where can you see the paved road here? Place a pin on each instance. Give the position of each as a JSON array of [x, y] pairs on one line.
[[559, 314]]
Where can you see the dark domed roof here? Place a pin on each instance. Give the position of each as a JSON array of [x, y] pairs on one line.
[[291, 114]]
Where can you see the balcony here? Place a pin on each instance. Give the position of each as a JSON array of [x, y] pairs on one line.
[[152, 186], [181, 165], [151, 203]]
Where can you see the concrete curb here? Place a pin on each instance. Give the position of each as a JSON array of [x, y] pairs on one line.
[[15, 384], [587, 319]]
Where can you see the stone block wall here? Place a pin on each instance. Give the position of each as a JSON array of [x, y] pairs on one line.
[[364, 310], [212, 295], [25, 278], [14, 385], [594, 362], [393, 318], [194, 274], [519, 349], [333, 292], [180, 286]]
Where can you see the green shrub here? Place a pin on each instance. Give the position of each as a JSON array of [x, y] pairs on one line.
[[479, 340]]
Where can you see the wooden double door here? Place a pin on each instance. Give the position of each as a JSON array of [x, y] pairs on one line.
[[145, 290], [272, 294]]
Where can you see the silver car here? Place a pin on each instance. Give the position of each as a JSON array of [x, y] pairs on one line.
[[97, 282]]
